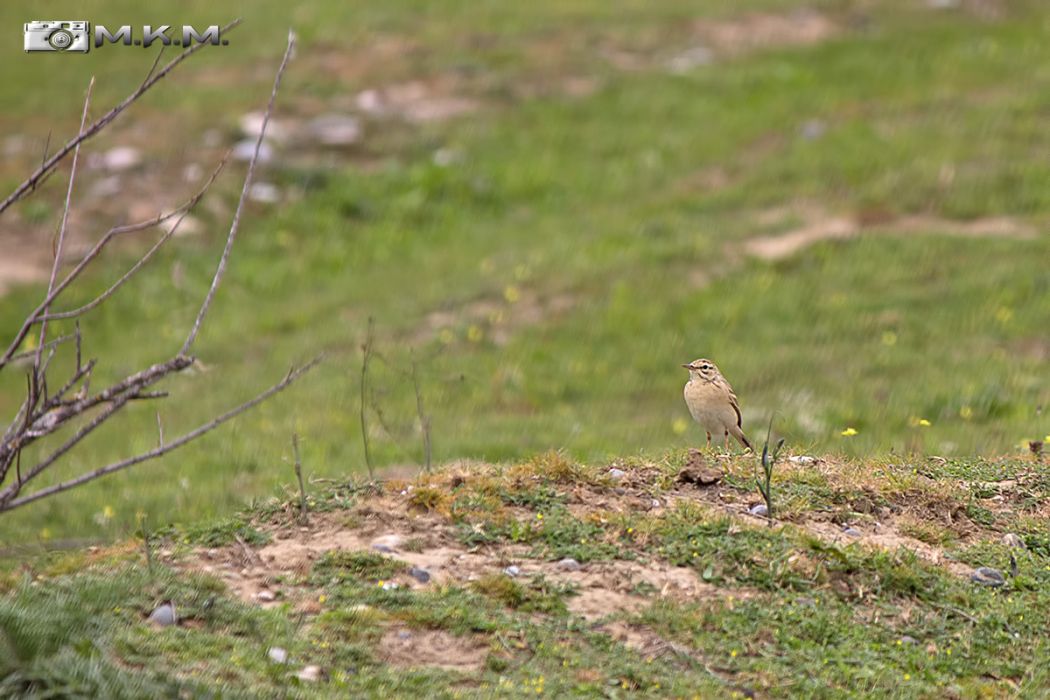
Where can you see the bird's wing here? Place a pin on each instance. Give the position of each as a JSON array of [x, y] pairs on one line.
[[736, 407]]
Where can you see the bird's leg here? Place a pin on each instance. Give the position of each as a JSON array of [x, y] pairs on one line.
[[725, 443], [709, 441]]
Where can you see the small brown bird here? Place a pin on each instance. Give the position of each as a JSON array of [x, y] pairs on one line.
[[712, 403]]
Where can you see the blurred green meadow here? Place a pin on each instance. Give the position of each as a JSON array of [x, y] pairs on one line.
[[589, 220]]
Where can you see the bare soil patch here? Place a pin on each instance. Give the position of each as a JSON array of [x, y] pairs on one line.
[[820, 225], [401, 646], [757, 31]]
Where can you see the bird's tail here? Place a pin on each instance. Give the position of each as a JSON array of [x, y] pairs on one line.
[[741, 438]]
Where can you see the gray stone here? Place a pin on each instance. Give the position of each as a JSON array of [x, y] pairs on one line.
[[309, 674], [804, 460], [851, 531], [615, 473], [121, 158], [1012, 540], [760, 509], [512, 571], [387, 543], [391, 585], [813, 129], [421, 575], [987, 576], [569, 564], [251, 125], [243, 151], [264, 192], [690, 59], [335, 130], [278, 655], [164, 615], [265, 596], [908, 640]]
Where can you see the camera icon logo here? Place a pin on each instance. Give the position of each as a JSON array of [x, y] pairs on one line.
[[57, 35]]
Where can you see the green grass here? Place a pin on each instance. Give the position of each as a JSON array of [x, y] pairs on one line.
[[573, 230], [786, 614]]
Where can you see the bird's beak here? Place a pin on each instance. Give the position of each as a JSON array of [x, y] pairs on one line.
[[689, 366]]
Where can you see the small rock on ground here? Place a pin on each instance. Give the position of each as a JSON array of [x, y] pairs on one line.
[[309, 674], [760, 509], [569, 564], [164, 615], [266, 596], [512, 571], [615, 473], [1012, 540], [421, 575], [278, 655], [244, 150], [987, 576], [851, 531], [335, 130]]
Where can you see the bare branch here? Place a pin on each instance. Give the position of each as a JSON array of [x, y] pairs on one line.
[[303, 517], [151, 79], [424, 419], [185, 210], [38, 313], [50, 344], [292, 375], [367, 352], [13, 490], [62, 226], [234, 225]]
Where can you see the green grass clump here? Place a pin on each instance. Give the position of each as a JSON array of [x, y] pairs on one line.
[[224, 532]]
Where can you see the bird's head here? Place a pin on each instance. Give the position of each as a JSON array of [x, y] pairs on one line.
[[702, 369]]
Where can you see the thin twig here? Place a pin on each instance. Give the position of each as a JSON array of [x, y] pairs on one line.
[[235, 224], [303, 517], [151, 79], [367, 351], [50, 344], [59, 246], [80, 311], [424, 419], [292, 375], [13, 490], [35, 316]]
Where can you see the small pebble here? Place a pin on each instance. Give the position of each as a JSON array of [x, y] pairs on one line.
[[244, 150], [1012, 540], [760, 509], [987, 576], [277, 655], [569, 564], [310, 674], [390, 542], [404, 634], [164, 615], [264, 192], [813, 129], [386, 549], [421, 575], [512, 571], [615, 473], [803, 460], [851, 531], [906, 639], [391, 585], [655, 503], [265, 596]]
